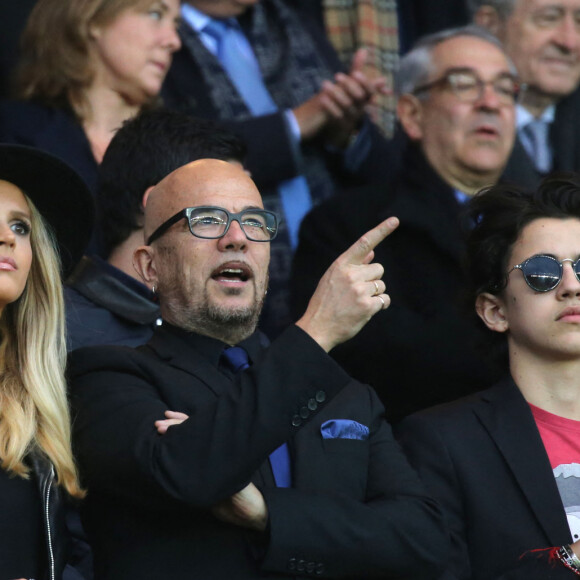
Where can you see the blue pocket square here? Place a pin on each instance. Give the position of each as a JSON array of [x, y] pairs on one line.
[[344, 429]]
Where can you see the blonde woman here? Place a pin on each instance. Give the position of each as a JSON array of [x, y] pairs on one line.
[[86, 66], [36, 464]]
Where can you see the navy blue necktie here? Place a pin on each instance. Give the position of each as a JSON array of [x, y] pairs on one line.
[[237, 359], [245, 74]]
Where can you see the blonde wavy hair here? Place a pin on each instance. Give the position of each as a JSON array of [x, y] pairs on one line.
[[34, 414], [55, 65]]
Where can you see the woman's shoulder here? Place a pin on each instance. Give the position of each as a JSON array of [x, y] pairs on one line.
[[21, 120]]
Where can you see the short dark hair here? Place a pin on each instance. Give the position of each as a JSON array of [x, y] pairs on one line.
[[144, 151], [499, 215]]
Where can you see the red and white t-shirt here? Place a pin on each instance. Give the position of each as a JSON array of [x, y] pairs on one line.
[[561, 439]]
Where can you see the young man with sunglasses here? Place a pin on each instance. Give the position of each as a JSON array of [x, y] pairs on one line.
[[505, 463], [262, 468]]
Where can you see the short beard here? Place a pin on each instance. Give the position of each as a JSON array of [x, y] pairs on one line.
[[227, 325]]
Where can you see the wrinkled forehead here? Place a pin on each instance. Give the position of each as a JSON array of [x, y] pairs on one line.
[[472, 52], [204, 182]]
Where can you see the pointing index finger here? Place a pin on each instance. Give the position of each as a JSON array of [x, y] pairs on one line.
[[366, 243]]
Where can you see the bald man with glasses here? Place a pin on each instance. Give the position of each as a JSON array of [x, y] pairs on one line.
[[208, 453]]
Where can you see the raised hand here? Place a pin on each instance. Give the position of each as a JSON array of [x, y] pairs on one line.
[[340, 104], [346, 99], [350, 292]]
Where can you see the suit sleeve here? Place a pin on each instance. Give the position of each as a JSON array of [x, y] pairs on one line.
[[116, 399], [430, 455], [395, 530]]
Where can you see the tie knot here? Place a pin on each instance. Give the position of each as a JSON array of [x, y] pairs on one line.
[[217, 28], [236, 358]]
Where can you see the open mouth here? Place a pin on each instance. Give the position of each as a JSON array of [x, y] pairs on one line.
[[487, 131], [239, 273]]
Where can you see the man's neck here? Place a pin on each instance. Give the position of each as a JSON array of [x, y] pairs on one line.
[[536, 103], [122, 256], [550, 385], [459, 178]]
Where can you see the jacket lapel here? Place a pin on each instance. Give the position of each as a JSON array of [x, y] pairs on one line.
[[178, 354], [511, 425]]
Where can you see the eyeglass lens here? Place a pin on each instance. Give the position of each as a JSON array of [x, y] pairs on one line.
[[544, 273], [469, 87], [257, 225]]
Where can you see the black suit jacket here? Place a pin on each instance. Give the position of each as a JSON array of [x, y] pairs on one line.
[[565, 140], [484, 460], [423, 349], [355, 508]]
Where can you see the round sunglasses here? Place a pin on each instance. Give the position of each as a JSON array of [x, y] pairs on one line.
[[544, 273]]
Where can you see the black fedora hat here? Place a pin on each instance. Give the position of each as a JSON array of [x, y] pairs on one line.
[[59, 194]]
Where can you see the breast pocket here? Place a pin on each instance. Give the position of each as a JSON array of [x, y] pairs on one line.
[[346, 465]]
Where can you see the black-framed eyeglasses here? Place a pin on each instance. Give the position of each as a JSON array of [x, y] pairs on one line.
[[544, 273], [468, 86], [211, 222]]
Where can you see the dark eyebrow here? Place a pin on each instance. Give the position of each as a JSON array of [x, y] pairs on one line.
[[551, 256], [248, 207], [460, 69], [469, 70]]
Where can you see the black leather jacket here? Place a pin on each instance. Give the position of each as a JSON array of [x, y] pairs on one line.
[[53, 516]]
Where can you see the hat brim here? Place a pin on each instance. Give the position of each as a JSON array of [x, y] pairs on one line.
[[59, 194]]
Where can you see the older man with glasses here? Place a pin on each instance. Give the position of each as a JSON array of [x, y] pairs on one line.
[[457, 93], [543, 39], [208, 454]]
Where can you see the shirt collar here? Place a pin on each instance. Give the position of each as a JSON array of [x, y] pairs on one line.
[[212, 348], [194, 17], [523, 116], [125, 279], [461, 197]]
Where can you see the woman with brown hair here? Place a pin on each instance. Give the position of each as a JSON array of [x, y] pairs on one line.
[[38, 193], [86, 66]]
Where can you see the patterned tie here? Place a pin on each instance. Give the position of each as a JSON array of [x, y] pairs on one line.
[[534, 138], [237, 360], [246, 76]]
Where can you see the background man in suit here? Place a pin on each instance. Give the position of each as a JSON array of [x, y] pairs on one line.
[[543, 39], [504, 462], [269, 72], [203, 499], [456, 105]]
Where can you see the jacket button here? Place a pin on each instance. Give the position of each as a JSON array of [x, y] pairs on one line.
[[304, 413], [301, 566], [296, 421], [312, 404], [320, 396], [292, 564], [319, 569]]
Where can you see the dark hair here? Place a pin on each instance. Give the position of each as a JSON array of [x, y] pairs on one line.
[[144, 151], [500, 213]]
